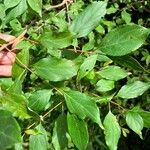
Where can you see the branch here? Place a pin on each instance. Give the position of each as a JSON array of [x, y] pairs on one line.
[[118, 105], [14, 41], [51, 109], [30, 126], [59, 5], [20, 62]]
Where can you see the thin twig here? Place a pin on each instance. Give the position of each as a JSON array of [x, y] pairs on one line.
[[68, 17], [111, 102], [51, 110], [80, 51], [31, 41], [30, 125], [23, 65], [109, 107], [117, 105], [59, 5], [60, 12], [14, 42], [5, 45]]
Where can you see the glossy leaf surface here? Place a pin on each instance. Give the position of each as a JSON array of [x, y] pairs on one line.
[[82, 105], [104, 85], [135, 122], [112, 131], [114, 73], [54, 69], [52, 40], [39, 141], [17, 104], [124, 40], [10, 132], [10, 3], [36, 5], [133, 90], [78, 131], [81, 26], [60, 130], [87, 66], [39, 99]]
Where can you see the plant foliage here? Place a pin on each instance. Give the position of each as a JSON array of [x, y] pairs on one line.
[[81, 78]]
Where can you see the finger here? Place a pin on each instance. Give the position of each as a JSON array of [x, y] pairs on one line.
[[7, 37], [5, 70], [7, 58]]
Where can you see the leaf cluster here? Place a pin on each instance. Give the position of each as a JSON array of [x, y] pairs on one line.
[[81, 77]]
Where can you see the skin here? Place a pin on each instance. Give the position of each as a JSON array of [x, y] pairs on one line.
[[6, 61], [6, 58]]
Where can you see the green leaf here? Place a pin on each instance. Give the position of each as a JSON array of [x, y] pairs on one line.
[[6, 82], [32, 132], [146, 118], [10, 132], [86, 66], [23, 59], [54, 69], [16, 87], [105, 99], [59, 138], [39, 99], [112, 131], [144, 114], [135, 122], [17, 104], [10, 3], [133, 90], [36, 5], [16, 25], [83, 106], [78, 131], [112, 9], [87, 20], [39, 141], [100, 29], [126, 16], [18, 146], [104, 85], [56, 40], [114, 73], [130, 62], [17, 11], [103, 58], [2, 14], [123, 40], [90, 44]]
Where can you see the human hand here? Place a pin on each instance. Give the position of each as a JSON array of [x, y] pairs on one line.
[[6, 61], [7, 52], [7, 58]]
